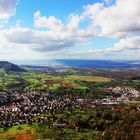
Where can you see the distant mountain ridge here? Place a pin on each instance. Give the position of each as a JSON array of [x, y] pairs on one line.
[[7, 66], [100, 64]]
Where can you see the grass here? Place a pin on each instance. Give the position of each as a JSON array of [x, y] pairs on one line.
[[87, 78], [36, 80], [19, 127], [19, 130], [55, 86], [82, 134], [136, 81]]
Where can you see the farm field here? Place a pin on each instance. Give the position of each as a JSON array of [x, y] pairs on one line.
[[81, 123], [69, 70], [67, 102], [32, 80], [19, 132]]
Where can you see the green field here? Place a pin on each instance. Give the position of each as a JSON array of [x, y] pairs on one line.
[[31, 80], [87, 78]]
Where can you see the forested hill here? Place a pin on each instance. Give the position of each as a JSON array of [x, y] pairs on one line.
[[7, 66]]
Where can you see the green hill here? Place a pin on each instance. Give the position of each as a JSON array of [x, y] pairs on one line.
[[7, 66]]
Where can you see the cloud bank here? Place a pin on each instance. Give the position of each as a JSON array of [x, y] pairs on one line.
[[7, 9], [120, 20]]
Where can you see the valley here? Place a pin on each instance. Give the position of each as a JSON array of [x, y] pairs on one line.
[[82, 103]]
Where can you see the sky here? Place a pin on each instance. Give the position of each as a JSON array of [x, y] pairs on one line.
[[69, 29]]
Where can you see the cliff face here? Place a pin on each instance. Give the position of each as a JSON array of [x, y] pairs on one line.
[[7, 66]]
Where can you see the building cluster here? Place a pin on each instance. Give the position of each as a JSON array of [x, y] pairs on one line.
[[130, 92], [20, 108], [120, 94], [124, 90], [26, 106]]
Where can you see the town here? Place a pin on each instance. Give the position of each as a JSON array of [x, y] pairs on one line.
[[24, 107]]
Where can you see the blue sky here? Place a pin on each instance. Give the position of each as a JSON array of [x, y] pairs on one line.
[[60, 9], [75, 29]]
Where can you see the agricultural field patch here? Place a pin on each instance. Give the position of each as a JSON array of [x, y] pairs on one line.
[[87, 78], [32, 80], [19, 132]]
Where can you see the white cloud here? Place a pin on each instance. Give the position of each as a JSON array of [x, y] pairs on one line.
[[53, 23], [50, 22], [118, 20], [37, 14], [58, 35], [44, 41], [129, 44], [7, 8]]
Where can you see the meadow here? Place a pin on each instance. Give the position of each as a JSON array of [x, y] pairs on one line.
[[33, 80], [81, 123]]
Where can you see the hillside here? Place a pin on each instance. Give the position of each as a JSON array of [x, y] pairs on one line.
[[7, 66]]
